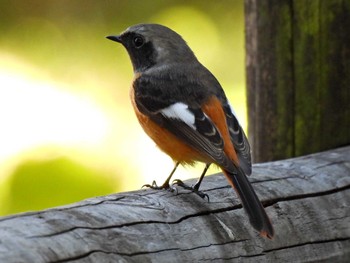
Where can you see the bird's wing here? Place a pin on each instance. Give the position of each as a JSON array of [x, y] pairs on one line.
[[188, 123]]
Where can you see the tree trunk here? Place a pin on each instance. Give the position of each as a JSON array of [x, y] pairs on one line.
[[298, 76], [307, 198]]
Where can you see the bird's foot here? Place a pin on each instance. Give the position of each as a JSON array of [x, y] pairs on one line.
[[193, 188], [165, 186]]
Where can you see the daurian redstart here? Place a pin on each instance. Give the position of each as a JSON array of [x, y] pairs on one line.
[[183, 108]]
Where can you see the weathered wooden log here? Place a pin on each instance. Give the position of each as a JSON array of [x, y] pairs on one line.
[[307, 198]]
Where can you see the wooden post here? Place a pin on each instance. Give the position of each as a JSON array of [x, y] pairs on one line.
[[307, 198], [298, 76]]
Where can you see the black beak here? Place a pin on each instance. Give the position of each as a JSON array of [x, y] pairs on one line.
[[115, 38]]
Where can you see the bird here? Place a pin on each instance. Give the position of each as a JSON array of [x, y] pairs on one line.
[[183, 108]]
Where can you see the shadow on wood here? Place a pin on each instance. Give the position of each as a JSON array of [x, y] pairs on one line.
[[307, 198]]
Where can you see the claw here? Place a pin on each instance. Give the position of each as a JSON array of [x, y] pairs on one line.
[[182, 184], [153, 185], [165, 186], [194, 189]]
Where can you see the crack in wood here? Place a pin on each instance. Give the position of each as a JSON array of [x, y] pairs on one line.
[[139, 253], [271, 202], [84, 203], [200, 214], [267, 251], [78, 257], [307, 243]]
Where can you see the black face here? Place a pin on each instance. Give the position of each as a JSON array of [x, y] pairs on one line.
[[141, 52]]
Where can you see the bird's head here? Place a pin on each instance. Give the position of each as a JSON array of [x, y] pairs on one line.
[[151, 45]]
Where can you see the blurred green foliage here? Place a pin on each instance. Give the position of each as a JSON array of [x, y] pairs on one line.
[[67, 37], [65, 40], [36, 185]]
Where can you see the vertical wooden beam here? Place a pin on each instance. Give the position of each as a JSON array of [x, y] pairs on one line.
[[298, 76], [321, 40], [270, 79]]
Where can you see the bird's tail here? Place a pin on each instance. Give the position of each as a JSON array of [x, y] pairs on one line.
[[250, 201]]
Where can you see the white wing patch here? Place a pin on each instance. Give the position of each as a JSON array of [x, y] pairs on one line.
[[181, 112]]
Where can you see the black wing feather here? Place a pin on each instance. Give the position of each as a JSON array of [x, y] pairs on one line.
[[239, 140]]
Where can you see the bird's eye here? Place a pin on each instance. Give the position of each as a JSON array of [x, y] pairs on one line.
[[138, 41]]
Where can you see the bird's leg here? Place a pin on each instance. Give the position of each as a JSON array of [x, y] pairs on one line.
[[195, 187], [166, 184]]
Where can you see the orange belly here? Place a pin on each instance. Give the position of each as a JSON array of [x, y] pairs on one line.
[[168, 142]]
